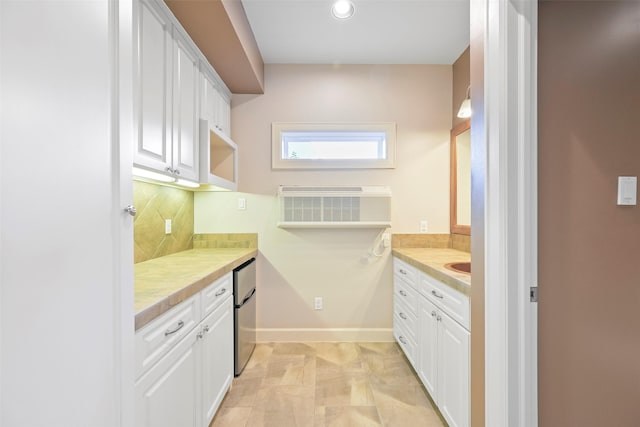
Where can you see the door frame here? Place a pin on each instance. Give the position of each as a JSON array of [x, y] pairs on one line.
[[509, 209]]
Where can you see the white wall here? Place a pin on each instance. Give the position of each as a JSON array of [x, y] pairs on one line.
[[60, 237], [297, 265]]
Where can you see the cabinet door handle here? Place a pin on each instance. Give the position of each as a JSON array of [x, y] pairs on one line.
[[403, 293], [435, 294], [176, 171], [401, 339], [205, 329], [403, 315], [402, 271], [221, 291], [439, 318], [433, 314], [131, 210], [173, 331]]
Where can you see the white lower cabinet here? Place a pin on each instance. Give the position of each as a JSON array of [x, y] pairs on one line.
[[165, 395], [187, 384], [443, 362], [217, 359], [441, 352]]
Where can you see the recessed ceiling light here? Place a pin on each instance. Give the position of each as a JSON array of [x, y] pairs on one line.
[[342, 9]]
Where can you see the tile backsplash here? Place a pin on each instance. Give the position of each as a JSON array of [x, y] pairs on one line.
[[427, 240], [155, 204]]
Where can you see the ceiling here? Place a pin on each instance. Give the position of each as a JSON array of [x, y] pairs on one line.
[[380, 31]]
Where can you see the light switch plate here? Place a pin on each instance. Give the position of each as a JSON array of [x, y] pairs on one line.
[[167, 226], [627, 190], [242, 203]]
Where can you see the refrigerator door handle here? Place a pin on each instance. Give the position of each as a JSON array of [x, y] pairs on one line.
[[247, 298]]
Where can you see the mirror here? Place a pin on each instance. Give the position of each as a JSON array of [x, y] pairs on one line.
[[460, 191]]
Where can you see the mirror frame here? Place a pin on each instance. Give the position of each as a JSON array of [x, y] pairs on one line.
[[453, 189]]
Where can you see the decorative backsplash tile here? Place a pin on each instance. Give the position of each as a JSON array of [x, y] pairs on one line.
[[461, 242], [221, 240], [155, 203], [423, 240]]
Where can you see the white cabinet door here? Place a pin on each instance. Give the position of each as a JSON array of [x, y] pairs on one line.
[[427, 365], [214, 106], [153, 148], [217, 358], [224, 115], [166, 396], [186, 109], [453, 372], [208, 98]]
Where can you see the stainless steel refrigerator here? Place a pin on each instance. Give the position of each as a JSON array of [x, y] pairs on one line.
[[244, 313]]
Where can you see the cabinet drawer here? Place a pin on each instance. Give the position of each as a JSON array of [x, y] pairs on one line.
[[407, 344], [158, 337], [452, 302], [214, 294], [404, 317], [405, 293], [404, 270]]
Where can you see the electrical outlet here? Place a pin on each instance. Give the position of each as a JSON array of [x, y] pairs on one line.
[[424, 226], [242, 204], [317, 303], [167, 226], [386, 240]]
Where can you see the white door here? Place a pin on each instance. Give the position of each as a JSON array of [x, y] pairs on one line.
[[217, 358], [186, 109], [428, 345], [153, 148], [453, 371], [166, 395]]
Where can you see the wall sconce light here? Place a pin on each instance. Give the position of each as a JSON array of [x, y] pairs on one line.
[[465, 108]]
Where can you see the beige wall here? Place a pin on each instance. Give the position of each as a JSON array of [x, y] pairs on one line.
[[155, 204], [297, 265], [589, 248], [461, 81]]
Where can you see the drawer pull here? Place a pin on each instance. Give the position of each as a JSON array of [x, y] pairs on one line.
[[403, 293], [403, 315], [169, 332], [401, 339], [221, 291], [439, 318], [403, 272], [435, 294], [433, 314]]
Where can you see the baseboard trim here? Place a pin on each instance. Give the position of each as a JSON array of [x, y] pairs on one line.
[[325, 335]]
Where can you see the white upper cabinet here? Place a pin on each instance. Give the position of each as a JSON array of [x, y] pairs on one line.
[[168, 94], [176, 88], [185, 107], [215, 101], [155, 45]]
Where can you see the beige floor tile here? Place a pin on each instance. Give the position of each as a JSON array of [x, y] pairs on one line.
[[231, 417], [327, 385], [347, 416], [243, 392]]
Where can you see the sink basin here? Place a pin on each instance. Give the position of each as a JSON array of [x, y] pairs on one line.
[[459, 267]]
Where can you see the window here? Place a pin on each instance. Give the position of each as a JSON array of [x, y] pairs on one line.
[[333, 146]]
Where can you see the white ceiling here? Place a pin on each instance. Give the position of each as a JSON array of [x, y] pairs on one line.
[[380, 31]]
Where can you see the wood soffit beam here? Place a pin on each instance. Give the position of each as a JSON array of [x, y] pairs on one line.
[[221, 30]]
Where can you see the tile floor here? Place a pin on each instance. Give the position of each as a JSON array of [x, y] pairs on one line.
[[327, 384]]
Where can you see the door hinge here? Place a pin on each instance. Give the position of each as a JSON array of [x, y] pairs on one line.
[[533, 294]]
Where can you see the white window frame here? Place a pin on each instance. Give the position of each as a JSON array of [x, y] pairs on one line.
[[278, 162]]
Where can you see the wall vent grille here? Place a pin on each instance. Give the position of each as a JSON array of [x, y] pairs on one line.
[[334, 207]]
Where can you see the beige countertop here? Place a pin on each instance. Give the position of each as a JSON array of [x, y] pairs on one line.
[[432, 261], [163, 282]]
